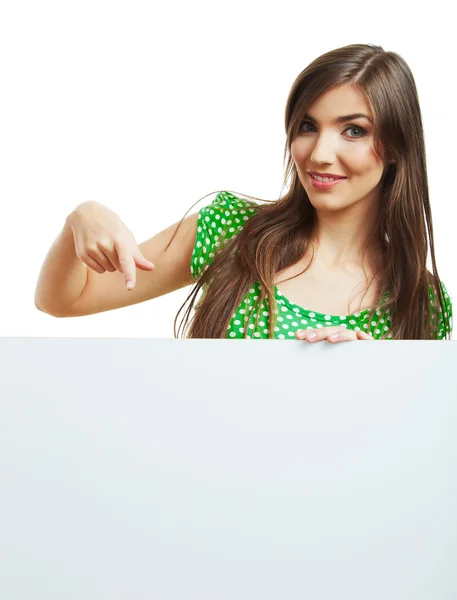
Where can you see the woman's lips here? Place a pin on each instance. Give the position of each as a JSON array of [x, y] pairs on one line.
[[325, 185]]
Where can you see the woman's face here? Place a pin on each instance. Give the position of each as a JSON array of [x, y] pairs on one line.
[[342, 148]]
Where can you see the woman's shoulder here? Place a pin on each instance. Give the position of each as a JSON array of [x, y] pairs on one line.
[[446, 318], [446, 294], [217, 223], [229, 202]]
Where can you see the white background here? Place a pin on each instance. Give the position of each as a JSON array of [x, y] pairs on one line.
[[147, 108]]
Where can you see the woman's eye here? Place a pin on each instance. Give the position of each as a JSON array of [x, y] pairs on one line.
[[362, 131], [305, 123], [356, 127]]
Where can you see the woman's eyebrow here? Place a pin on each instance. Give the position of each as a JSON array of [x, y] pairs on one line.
[[341, 119]]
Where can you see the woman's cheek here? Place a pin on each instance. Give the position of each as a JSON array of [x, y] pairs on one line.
[[360, 158]]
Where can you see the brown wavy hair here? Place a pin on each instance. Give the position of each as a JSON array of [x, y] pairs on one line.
[[280, 231]]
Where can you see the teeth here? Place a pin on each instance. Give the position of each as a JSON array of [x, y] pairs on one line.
[[323, 178]]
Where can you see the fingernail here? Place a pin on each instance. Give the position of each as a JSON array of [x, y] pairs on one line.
[[129, 284], [311, 336], [334, 336]]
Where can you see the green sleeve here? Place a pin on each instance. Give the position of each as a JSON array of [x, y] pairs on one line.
[[445, 321], [218, 222]]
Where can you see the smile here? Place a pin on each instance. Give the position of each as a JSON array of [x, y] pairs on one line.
[[325, 183], [324, 178]]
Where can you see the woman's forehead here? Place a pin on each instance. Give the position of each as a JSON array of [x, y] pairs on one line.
[[339, 102]]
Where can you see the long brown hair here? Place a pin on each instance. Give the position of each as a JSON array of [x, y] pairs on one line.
[[281, 231]]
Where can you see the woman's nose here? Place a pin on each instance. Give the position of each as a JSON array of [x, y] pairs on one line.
[[324, 149]]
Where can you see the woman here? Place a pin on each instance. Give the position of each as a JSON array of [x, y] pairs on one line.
[[345, 257], [353, 113]]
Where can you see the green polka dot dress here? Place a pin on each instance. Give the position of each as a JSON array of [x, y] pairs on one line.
[[221, 220]]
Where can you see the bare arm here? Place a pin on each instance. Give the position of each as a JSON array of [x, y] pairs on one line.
[[62, 276], [67, 288]]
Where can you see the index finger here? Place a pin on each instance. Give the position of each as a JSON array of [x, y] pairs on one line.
[[127, 264]]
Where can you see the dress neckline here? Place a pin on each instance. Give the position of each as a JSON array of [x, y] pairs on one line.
[[317, 314]]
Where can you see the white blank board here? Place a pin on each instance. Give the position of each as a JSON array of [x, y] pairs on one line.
[[227, 469]]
